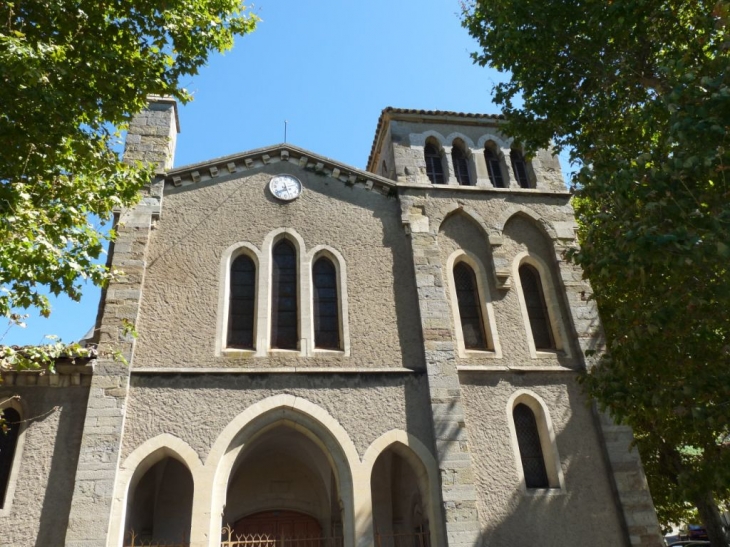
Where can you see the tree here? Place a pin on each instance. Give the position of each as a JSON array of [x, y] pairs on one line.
[[73, 72], [639, 92]]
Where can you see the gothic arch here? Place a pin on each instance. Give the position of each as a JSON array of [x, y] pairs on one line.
[[423, 463], [17, 403], [499, 141], [303, 416], [137, 464], [466, 211], [468, 143], [547, 437], [419, 139], [544, 225]]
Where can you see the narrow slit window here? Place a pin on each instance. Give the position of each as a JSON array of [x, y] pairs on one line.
[[461, 165], [8, 441], [326, 305], [494, 168], [519, 166], [242, 303], [284, 304], [528, 440], [542, 333], [470, 309], [434, 166]]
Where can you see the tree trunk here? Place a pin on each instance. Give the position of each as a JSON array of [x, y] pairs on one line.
[[710, 516]]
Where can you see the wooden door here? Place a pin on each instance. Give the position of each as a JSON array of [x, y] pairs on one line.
[[279, 524]]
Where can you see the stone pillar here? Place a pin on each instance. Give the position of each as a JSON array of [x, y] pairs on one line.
[[458, 490], [149, 141], [627, 474]]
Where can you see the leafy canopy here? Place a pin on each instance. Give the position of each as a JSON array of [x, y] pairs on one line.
[[639, 92], [71, 71]]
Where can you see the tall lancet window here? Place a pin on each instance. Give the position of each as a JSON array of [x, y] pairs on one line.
[[461, 165], [519, 167], [470, 309], [284, 297], [537, 312], [434, 165], [528, 440], [8, 441], [326, 305], [494, 167], [241, 304]]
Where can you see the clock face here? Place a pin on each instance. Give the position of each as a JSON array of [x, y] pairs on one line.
[[285, 187]]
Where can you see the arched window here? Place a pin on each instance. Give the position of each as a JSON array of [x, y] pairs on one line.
[[434, 166], [8, 441], [242, 303], [528, 440], [519, 167], [461, 165], [494, 167], [542, 333], [470, 309], [326, 305], [284, 305]]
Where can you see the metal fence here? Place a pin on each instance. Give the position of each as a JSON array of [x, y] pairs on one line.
[[232, 539]]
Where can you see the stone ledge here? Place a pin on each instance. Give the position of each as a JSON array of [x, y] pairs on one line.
[[519, 368], [273, 370]]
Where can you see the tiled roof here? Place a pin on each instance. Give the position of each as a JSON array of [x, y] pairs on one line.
[[389, 110]]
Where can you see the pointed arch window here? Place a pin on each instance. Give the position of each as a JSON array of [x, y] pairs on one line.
[[461, 165], [494, 168], [242, 303], [434, 165], [326, 305], [519, 167], [537, 312], [470, 309], [284, 304], [530, 445], [9, 433]]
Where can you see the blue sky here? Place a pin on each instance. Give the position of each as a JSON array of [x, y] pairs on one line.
[[328, 67]]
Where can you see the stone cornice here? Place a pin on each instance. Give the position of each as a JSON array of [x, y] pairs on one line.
[[243, 162], [66, 375]]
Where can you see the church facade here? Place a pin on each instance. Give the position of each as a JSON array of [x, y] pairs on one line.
[[329, 356]]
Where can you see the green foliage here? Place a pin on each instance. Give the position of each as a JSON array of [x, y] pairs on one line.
[[71, 71], [639, 91]]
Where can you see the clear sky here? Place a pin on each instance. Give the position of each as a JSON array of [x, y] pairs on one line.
[[328, 67]]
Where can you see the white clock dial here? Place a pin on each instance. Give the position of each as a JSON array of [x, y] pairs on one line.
[[285, 187]]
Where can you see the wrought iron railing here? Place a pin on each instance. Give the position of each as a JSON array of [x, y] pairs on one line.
[[232, 539], [132, 539]]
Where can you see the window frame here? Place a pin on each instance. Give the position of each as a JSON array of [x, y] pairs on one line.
[[255, 302], [301, 343], [493, 349], [458, 146], [517, 157], [491, 147], [437, 156], [15, 403], [548, 443], [338, 261], [555, 315]]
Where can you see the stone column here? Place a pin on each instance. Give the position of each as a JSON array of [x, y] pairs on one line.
[[458, 490], [150, 139]]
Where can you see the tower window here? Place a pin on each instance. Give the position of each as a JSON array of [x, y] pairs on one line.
[[242, 303], [537, 312], [519, 167], [326, 305], [8, 441], [494, 168], [470, 310], [528, 440], [461, 165], [284, 305], [434, 165]]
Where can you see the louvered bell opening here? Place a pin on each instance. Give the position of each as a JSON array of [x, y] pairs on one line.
[[284, 314], [326, 306], [461, 166], [434, 166], [519, 166], [8, 441], [241, 304], [494, 168], [537, 312], [470, 310], [528, 439]]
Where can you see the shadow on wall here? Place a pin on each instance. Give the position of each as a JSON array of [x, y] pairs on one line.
[[584, 511]]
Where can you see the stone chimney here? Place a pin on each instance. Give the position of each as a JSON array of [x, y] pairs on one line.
[[152, 134]]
